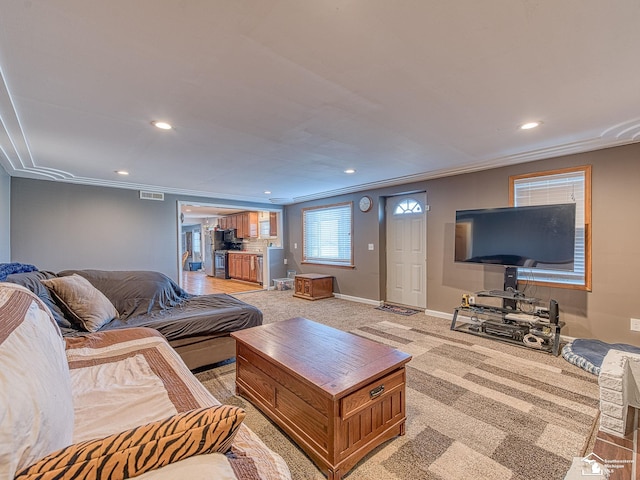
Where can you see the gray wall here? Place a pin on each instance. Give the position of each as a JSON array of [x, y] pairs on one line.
[[5, 216], [603, 313], [56, 226], [365, 279]]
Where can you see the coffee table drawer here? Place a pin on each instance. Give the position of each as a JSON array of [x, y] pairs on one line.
[[373, 392]]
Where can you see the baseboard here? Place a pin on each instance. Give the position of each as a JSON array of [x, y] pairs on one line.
[[437, 314], [350, 298]]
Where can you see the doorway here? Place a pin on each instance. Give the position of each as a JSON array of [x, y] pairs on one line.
[[196, 223], [406, 232]]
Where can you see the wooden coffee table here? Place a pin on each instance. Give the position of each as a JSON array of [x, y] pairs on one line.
[[337, 395]]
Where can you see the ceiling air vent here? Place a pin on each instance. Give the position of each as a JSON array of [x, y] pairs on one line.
[[281, 201], [151, 196]]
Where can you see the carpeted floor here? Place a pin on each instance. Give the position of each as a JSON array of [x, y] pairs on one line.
[[476, 408]]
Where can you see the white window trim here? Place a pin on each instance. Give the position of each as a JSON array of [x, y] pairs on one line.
[[312, 248]]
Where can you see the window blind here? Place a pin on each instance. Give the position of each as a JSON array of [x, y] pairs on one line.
[[327, 234], [567, 187]]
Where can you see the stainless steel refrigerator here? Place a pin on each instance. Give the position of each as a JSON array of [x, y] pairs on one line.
[[213, 240]]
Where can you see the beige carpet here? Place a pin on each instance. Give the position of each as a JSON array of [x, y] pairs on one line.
[[476, 408]]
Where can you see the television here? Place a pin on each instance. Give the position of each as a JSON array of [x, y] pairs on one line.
[[539, 236]]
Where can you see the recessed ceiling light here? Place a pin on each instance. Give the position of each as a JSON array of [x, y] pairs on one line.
[[267, 192], [162, 125], [122, 172], [530, 125], [350, 170]]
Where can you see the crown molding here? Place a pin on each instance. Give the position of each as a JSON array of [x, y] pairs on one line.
[[523, 157]]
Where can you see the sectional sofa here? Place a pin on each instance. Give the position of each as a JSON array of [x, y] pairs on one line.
[[111, 404], [196, 326]]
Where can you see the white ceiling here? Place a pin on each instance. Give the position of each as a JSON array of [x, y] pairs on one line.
[[198, 211], [283, 95]]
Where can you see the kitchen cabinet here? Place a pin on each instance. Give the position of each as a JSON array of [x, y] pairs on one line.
[[245, 224], [249, 224], [243, 266], [242, 225], [253, 225], [234, 265], [273, 224], [253, 269]]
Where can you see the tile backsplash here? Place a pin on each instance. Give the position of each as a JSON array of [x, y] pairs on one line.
[[255, 245]]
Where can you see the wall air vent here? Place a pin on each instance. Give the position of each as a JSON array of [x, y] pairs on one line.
[[151, 196]]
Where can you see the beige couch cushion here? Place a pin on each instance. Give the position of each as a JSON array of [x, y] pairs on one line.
[[82, 301], [36, 405]]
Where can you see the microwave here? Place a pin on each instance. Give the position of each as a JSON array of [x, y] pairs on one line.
[[230, 236]]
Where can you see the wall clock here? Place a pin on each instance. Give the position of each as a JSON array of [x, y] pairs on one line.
[[365, 204]]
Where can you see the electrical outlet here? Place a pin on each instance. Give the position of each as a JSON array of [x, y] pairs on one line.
[[285, 261], [635, 324], [371, 246]]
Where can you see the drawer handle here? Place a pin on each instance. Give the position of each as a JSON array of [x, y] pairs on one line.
[[376, 392]]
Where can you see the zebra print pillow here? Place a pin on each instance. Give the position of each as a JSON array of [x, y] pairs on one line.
[[141, 449]]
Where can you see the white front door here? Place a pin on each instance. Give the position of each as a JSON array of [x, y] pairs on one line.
[[406, 250]]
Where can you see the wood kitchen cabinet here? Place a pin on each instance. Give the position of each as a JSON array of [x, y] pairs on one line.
[[250, 222], [242, 220], [245, 224], [253, 269], [273, 224], [235, 270], [243, 266]]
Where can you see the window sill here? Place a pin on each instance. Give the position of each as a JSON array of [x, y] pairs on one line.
[[329, 264]]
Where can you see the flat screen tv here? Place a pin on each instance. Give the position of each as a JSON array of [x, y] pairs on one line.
[[540, 236]]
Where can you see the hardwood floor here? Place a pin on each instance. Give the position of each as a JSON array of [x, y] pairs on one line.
[[199, 283], [620, 454]]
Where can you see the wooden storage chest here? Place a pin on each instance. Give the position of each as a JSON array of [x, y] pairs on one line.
[[337, 395]]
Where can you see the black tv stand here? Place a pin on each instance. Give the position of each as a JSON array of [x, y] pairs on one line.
[[531, 327]]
